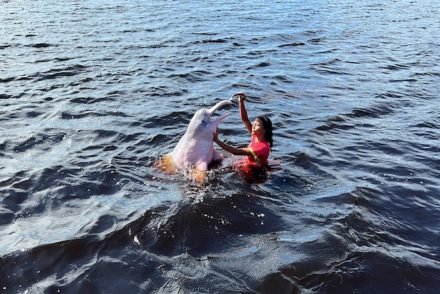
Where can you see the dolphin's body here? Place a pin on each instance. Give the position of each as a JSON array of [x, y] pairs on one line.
[[196, 149]]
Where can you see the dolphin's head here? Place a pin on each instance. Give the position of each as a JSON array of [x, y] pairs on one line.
[[201, 124]]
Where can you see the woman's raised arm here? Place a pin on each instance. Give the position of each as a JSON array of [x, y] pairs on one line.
[[243, 112]]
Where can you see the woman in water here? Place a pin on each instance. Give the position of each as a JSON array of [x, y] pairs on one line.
[[258, 150]]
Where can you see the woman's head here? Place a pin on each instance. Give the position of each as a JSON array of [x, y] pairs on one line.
[[266, 124]]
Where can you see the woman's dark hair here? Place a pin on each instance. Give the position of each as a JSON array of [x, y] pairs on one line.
[[267, 124]]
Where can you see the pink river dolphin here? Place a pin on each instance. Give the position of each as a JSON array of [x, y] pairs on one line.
[[195, 150]]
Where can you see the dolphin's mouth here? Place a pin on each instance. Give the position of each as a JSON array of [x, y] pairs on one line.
[[216, 107], [222, 116]]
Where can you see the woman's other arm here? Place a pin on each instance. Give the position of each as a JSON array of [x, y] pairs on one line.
[[229, 148]]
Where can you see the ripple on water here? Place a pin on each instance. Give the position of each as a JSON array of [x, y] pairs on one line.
[[92, 94]]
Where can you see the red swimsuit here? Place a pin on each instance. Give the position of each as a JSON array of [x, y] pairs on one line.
[[260, 153], [258, 160]]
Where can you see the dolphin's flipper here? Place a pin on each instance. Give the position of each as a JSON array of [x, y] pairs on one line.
[[199, 176], [166, 164]]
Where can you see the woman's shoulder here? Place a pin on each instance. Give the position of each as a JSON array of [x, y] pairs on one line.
[[256, 142]]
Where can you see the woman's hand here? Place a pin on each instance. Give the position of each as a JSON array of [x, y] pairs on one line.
[[215, 138], [241, 97]]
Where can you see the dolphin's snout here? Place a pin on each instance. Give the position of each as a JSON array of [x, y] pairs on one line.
[[218, 106]]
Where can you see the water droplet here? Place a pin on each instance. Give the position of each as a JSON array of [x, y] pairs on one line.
[[136, 240]]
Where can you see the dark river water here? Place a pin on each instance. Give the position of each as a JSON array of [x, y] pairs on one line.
[[92, 93]]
